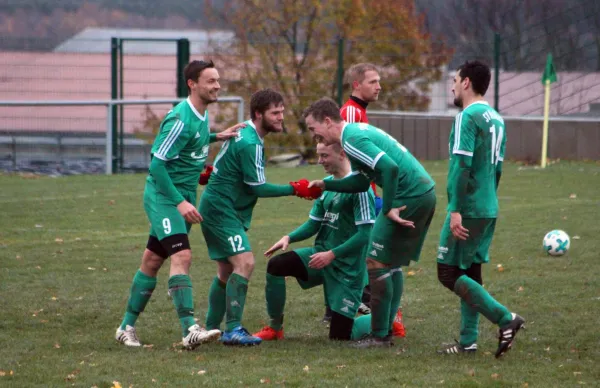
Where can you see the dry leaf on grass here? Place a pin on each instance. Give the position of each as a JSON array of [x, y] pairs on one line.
[[495, 376], [57, 346], [499, 268], [116, 384], [306, 369], [59, 240], [573, 196], [200, 372], [265, 381]]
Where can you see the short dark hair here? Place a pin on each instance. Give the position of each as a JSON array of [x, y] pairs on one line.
[[192, 70], [478, 73], [262, 100], [324, 107]]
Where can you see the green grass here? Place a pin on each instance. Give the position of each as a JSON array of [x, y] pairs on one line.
[[70, 246]]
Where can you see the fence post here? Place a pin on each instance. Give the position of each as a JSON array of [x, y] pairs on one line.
[[114, 85], [340, 71], [183, 58], [497, 72], [109, 139]]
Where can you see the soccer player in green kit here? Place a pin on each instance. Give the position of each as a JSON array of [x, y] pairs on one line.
[[236, 183], [477, 145], [178, 156], [342, 223], [394, 241]]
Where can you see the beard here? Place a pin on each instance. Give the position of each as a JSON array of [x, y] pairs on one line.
[[207, 98], [269, 127], [458, 102]]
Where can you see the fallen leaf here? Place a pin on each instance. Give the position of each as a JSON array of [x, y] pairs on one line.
[[576, 238], [573, 196], [576, 373], [265, 381], [112, 202], [305, 368], [77, 239], [341, 366], [91, 268], [471, 372], [525, 385], [547, 349], [58, 240], [495, 376], [70, 377], [411, 273], [38, 267], [11, 373], [54, 298], [200, 358], [200, 372], [148, 346], [18, 257], [499, 268], [57, 346], [520, 289], [116, 384], [104, 269], [44, 321], [2, 373], [39, 226]]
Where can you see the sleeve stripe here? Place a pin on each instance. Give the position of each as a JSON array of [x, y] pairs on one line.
[[253, 183], [171, 137], [350, 114], [364, 205], [466, 153], [260, 169], [364, 222], [379, 155], [315, 218], [457, 122], [354, 152]]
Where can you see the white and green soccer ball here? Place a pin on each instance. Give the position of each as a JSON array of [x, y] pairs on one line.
[[556, 242]]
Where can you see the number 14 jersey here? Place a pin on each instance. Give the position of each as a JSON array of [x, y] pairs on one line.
[[477, 133]]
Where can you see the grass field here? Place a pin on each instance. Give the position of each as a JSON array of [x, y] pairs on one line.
[[70, 246]]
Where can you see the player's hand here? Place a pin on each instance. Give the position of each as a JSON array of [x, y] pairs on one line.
[[281, 244], [319, 183], [458, 231], [303, 190], [321, 259], [189, 212], [230, 132], [208, 169], [394, 215]]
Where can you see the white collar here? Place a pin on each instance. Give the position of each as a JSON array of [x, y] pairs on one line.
[[193, 108]]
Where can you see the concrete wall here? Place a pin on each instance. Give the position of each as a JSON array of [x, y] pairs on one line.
[[427, 136]]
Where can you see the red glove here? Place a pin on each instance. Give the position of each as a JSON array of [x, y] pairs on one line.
[[301, 190], [208, 169], [374, 188]]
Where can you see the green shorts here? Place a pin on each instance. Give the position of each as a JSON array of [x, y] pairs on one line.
[[473, 250], [340, 297], [396, 245], [224, 241], [165, 219]]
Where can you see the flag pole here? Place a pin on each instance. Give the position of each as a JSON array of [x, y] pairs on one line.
[[545, 127]]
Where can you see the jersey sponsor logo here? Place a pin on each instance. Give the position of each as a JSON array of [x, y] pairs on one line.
[[348, 302], [203, 155], [441, 252], [331, 217], [378, 246], [373, 253], [176, 245]]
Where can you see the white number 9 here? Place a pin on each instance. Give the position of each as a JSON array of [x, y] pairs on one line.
[[167, 225]]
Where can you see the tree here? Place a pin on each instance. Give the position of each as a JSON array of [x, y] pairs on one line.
[[292, 45]]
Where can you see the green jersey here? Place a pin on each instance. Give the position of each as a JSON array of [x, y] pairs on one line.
[[339, 214], [183, 141], [365, 145], [477, 133], [240, 163]]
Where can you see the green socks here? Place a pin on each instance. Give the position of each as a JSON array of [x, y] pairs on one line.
[[142, 287], [180, 288], [480, 300], [469, 324], [398, 286], [361, 327], [237, 288], [216, 304], [382, 290], [275, 295]]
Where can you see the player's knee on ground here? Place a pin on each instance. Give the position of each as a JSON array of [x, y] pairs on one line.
[[287, 264], [448, 274], [340, 328], [474, 272]]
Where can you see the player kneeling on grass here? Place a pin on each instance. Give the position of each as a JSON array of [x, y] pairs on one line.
[[394, 241], [342, 223], [236, 183], [178, 156]]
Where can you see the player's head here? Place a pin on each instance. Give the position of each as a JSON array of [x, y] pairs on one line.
[[364, 79], [472, 79], [332, 157], [202, 80], [323, 121], [266, 110]]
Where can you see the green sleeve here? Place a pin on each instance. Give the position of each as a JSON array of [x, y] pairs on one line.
[[389, 171], [171, 139], [212, 138], [158, 170], [355, 183], [271, 190], [458, 179], [305, 231], [251, 161], [498, 173], [354, 243]]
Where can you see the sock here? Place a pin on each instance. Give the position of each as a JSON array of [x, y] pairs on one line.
[[398, 286], [180, 288], [141, 290], [469, 324], [480, 300], [275, 295], [237, 288], [380, 280], [216, 304], [361, 327]]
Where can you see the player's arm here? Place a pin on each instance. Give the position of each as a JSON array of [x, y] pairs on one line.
[[174, 138], [226, 134], [253, 170], [461, 162], [500, 160]]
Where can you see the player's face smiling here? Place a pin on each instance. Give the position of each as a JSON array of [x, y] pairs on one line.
[[326, 158], [272, 119], [208, 86], [320, 131]]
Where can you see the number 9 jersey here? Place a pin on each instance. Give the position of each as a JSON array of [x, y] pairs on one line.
[[477, 133]]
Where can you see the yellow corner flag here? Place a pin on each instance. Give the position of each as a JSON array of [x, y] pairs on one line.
[[548, 77]]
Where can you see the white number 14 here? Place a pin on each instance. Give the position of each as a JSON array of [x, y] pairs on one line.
[[496, 143]]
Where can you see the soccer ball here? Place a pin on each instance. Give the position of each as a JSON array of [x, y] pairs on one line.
[[556, 242]]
